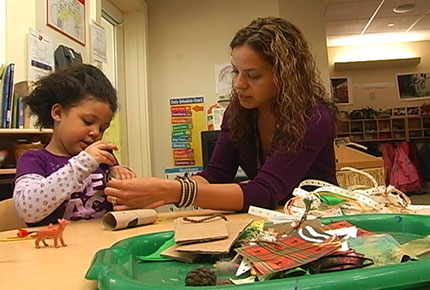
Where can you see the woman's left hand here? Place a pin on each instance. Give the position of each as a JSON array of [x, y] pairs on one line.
[[148, 192], [121, 172]]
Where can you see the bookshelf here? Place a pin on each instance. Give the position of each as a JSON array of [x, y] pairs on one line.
[[11, 135], [15, 131], [396, 128], [15, 126], [8, 171]]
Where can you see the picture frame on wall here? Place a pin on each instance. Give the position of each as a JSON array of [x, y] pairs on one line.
[[341, 90], [67, 17], [413, 86]]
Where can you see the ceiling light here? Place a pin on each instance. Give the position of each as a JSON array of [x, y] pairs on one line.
[[391, 24], [373, 52], [378, 63], [376, 38], [404, 8]]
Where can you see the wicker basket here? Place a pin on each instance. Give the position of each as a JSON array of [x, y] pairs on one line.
[[19, 149], [350, 178]]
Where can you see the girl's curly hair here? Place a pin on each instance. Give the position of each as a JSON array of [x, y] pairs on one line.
[[68, 88], [299, 87]]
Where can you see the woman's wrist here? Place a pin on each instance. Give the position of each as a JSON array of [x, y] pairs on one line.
[[173, 191], [189, 189]]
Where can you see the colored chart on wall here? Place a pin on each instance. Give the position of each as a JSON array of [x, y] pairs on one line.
[[187, 121]]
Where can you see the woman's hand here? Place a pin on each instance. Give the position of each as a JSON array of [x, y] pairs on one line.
[[121, 172], [148, 192], [99, 150]]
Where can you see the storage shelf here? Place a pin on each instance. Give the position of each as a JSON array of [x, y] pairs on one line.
[[395, 128], [25, 131], [7, 171], [7, 175]]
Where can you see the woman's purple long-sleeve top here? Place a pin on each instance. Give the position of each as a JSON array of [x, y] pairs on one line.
[[273, 184]]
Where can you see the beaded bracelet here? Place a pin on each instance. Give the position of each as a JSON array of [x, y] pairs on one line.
[[213, 216], [188, 191], [182, 201]]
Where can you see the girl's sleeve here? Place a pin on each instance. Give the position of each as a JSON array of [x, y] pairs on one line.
[[36, 196], [281, 172]]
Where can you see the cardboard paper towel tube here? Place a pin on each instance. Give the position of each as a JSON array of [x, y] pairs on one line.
[[115, 220]]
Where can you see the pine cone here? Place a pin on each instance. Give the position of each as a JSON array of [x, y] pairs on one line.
[[200, 276]]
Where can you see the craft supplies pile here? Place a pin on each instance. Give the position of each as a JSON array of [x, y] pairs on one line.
[[373, 228], [238, 252], [331, 200], [301, 247]]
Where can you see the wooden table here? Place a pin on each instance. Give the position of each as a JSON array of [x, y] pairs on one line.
[[22, 266]]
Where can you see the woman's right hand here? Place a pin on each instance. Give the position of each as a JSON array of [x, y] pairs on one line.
[[99, 150]]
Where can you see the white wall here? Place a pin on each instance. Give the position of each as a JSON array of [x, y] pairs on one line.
[[187, 38], [386, 97], [2, 31], [25, 14], [309, 17]]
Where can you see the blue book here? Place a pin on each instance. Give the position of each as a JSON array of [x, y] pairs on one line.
[[11, 96], [7, 96], [3, 108]]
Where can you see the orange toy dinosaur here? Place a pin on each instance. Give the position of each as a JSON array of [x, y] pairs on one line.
[[52, 232]]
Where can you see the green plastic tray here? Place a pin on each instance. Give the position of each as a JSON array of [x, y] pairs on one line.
[[118, 268]]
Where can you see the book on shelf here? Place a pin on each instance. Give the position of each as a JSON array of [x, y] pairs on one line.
[[13, 112], [3, 101], [7, 96], [17, 112], [15, 107], [24, 118]]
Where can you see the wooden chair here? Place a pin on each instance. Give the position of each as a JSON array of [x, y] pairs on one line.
[[9, 218]]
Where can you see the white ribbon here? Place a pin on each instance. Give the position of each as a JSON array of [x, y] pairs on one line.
[[375, 198]]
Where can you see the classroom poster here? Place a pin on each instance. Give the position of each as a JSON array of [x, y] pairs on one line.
[[40, 56], [187, 121]]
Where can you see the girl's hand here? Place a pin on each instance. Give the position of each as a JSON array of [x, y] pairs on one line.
[[121, 172], [148, 192], [99, 150]]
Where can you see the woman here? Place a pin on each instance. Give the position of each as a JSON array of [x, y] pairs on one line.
[[279, 128]]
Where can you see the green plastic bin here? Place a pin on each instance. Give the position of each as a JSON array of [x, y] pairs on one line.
[[118, 268]]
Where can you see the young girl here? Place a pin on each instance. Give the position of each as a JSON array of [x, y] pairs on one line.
[[65, 179]]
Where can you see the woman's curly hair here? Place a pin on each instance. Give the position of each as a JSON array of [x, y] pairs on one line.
[[299, 87], [68, 88]]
